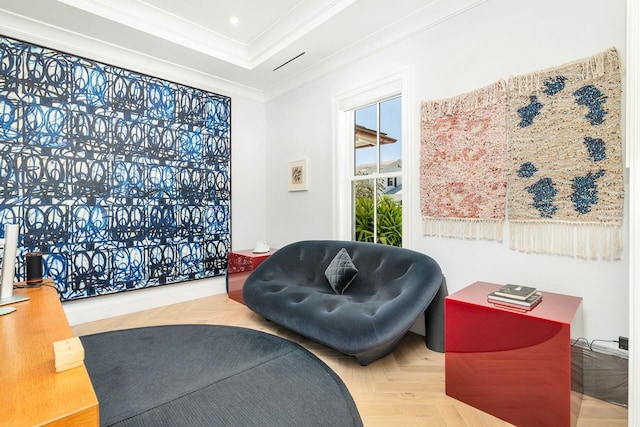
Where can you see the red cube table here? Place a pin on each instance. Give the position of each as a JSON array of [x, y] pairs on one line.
[[514, 365], [239, 267]]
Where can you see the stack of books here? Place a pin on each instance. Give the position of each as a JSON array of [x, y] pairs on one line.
[[515, 297]]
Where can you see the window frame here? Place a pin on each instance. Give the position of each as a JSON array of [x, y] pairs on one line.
[[344, 106]]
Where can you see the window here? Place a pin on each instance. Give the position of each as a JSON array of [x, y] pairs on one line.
[[368, 162], [376, 176]]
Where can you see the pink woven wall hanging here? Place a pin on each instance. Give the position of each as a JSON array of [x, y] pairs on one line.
[[463, 164]]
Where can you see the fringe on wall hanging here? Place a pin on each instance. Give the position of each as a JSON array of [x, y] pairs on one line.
[[565, 174], [463, 150]]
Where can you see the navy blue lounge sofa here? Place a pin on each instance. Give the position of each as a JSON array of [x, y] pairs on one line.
[[393, 287]]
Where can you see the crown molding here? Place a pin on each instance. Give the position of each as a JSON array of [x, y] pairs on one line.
[[291, 27], [157, 22], [271, 40], [427, 17], [43, 34]]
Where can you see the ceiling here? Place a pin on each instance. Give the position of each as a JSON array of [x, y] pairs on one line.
[[275, 46]]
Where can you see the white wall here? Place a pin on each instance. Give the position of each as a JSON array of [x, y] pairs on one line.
[[248, 173], [633, 135], [497, 39], [247, 222], [494, 40], [299, 126]]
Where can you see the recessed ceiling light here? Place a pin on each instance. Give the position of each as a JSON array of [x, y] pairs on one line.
[[234, 20]]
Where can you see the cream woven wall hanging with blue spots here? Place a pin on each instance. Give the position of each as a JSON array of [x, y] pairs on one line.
[[565, 178]]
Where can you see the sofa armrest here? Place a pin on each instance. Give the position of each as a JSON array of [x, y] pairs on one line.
[[434, 320]]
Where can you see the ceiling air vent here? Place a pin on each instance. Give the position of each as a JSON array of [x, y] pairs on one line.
[[291, 60]]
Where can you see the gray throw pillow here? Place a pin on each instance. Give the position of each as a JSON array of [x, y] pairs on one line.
[[341, 272]]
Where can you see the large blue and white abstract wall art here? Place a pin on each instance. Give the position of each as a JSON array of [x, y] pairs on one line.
[[120, 179]]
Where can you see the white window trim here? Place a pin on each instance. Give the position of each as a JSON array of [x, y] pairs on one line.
[[343, 106], [633, 162]]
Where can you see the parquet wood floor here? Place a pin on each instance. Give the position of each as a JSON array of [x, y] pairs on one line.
[[406, 388]]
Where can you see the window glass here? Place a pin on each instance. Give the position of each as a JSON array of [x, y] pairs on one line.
[[388, 215], [366, 140], [376, 184], [363, 196], [390, 135]]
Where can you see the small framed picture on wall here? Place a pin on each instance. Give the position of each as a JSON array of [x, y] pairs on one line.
[[297, 176]]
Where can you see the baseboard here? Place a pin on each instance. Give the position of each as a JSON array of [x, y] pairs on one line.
[[105, 306]]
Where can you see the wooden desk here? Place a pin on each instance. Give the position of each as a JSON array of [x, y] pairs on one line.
[[31, 392]]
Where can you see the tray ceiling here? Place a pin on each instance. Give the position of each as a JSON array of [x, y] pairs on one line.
[[299, 39]]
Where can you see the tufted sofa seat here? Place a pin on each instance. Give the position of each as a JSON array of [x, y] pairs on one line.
[[393, 288]]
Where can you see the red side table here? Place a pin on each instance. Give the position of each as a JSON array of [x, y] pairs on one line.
[[240, 265], [514, 365]]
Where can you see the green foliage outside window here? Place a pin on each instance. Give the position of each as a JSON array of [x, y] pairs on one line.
[[389, 220]]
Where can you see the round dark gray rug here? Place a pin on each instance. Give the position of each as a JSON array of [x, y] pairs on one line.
[[206, 375]]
